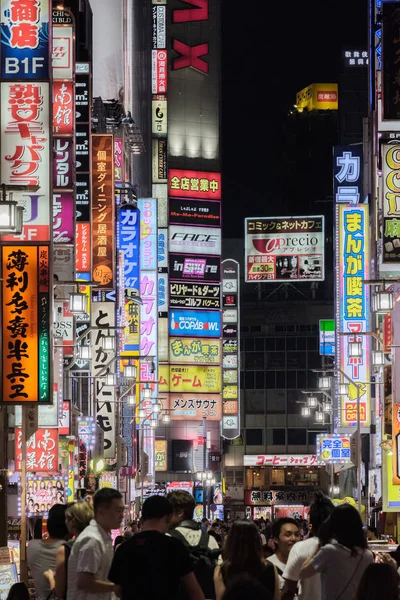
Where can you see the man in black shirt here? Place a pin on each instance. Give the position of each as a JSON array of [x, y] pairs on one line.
[[152, 565]]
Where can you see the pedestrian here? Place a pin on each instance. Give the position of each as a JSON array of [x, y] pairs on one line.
[[41, 553], [92, 553], [203, 548], [343, 560], [18, 591], [243, 556], [247, 588], [309, 589], [77, 517], [152, 565], [380, 580], [285, 534]]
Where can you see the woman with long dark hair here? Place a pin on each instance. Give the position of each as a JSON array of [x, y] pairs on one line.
[[343, 557], [380, 580], [243, 555]]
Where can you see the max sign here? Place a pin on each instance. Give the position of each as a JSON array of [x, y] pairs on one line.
[[190, 55]]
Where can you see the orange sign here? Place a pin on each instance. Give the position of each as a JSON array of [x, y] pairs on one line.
[[230, 407], [25, 324], [103, 211], [396, 444]]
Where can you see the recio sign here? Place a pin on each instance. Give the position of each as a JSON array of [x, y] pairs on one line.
[[190, 56]]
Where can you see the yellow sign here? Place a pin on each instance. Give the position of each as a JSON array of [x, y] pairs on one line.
[[184, 378], [318, 96], [390, 491], [194, 351], [160, 455]]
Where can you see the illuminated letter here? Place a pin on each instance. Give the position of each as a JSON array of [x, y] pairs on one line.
[[200, 13], [190, 56]]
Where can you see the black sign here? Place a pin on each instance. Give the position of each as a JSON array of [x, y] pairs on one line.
[[230, 269], [229, 331], [82, 198], [194, 268], [62, 17], [82, 98], [229, 300], [82, 148], [229, 346], [391, 53], [182, 456], [159, 28], [194, 295], [194, 212]]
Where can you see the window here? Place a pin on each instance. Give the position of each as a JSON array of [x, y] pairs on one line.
[[314, 360], [249, 380], [255, 328], [259, 380], [302, 379], [275, 360], [270, 382], [296, 360], [280, 343], [249, 344], [270, 343], [293, 404], [297, 437], [254, 437], [254, 360], [259, 344], [278, 437], [312, 438], [280, 380], [312, 344], [291, 343], [291, 379], [301, 343]]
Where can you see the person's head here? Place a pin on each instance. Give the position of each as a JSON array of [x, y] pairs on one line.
[[108, 508], [285, 533], [243, 551], [78, 516], [183, 506], [42, 508], [18, 591], [320, 510], [372, 533], [345, 526], [157, 513], [246, 587], [59, 485], [380, 580], [30, 505], [36, 507], [42, 484], [56, 525]]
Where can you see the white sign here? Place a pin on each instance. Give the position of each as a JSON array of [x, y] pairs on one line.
[[195, 240], [280, 460], [63, 53]]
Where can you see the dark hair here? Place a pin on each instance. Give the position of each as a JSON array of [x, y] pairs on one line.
[[118, 540], [242, 552], [156, 507], [379, 580], [182, 500], [246, 587], [320, 509], [18, 591], [56, 522], [104, 497], [279, 523], [345, 526]]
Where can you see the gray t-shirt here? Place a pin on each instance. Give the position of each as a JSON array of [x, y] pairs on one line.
[[340, 571], [41, 556]]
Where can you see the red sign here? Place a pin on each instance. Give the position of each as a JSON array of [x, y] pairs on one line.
[[41, 450], [63, 108], [191, 56], [327, 96], [159, 71], [82, 247], [194, 184], [387, 332]]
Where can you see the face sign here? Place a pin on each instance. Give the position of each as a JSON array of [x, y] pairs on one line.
[[288, 536]]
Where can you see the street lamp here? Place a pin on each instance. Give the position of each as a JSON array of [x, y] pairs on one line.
[[325, 382], [343, 389], [78, 303], [107, 342], [312, 402], [156, 408], [130, 400], [383, 301], [141, 413], [85, 352], [130, 371], [305, 411], [11, 217], [166, 418], [146, 392], [110, 379], [378, 358], [320, 416], [355, 349]]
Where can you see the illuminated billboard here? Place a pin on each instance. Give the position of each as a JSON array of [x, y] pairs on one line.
[[194, 351], [284, 248], [318, 96], [391, 203], [333, 448], [231, 349], [194, 184], [352, 306], [195, 407], [348, 174], [191, 322], [199, 379], [194, 268], [195, 295], [194, 212], [195, 240]]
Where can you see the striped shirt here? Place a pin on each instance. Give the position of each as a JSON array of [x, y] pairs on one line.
[[92, 552]]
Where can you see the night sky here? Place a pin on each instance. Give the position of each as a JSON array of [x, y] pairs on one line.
[[271, 50]]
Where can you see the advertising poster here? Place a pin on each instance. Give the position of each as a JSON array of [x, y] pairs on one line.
[[182, 456], [190, 323], [195, 240], [159, 71], [183, 350], [194, 268], [43, 493], [195, 295], [193, 378], [391, 203], [160, 454], [333, 448], [284, 249], [63, 53], [159, 115], [327, 337], [195, 407]]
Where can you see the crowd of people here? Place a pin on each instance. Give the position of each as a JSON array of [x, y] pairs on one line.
[[169, 556]]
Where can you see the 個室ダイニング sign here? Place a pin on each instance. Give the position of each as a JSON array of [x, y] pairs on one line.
[[191, 323], [284, 248], [194, 351], [348, 174], [195, 240], [195, 268]]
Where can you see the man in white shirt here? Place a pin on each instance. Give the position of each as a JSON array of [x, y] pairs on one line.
[[92, 553], [309, 589], [285, 534]]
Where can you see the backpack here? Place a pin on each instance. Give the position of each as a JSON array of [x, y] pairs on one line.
[[203, 558]]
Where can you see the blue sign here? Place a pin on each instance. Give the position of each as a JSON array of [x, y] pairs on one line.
[[25, 39], [128, 241], [348, 174], [193, 323]]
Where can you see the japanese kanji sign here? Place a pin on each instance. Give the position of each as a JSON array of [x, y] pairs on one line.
[[390, 53], [25, 39], [194, 184], [273, 497], [25, 151], [203, 351], [280, 460], [391, 203], [195, 407], [352, 298], [148, 234], [333, 448], [195, 295], [25, 324], [348, 174], [284, 249], [190, 379], [63, 52], [63, 108], [103, 211], [159, 69], [41, 450], [160, 455]]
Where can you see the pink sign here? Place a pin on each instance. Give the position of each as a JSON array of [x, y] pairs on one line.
[[82, 247], [41, 450], [63, 218], [118, 160]]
